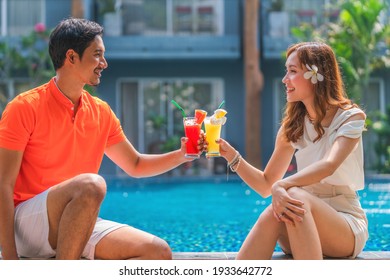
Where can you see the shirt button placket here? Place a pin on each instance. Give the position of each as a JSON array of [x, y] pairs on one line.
[[72, 109]]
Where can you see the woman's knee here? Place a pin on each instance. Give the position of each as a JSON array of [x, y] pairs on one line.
[[304, 196], [299, 194]]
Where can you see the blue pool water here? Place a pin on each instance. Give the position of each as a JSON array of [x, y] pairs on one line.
[[206, 216]]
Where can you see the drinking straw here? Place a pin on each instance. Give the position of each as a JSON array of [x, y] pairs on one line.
[[220, 105], [180, 108]]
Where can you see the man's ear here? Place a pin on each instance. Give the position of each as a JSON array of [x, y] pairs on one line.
[[71, 56]]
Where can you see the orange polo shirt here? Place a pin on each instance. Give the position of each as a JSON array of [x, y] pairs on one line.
[[57, 144]]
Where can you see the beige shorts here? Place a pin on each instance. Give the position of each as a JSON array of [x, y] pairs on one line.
[[32, 230], [346, 202]]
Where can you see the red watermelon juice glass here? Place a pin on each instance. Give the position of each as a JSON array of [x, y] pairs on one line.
[[192, 132]]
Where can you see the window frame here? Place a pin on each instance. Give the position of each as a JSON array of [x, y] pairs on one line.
[[5, 25], [170, 26], [217, 95]]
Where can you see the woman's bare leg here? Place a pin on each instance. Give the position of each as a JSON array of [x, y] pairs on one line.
[[322, 232], [261, 240]]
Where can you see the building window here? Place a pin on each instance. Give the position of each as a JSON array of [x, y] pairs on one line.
[[161, 17], [153, 124], [148, 17], [279, 17], [18, 17], [197, 17]]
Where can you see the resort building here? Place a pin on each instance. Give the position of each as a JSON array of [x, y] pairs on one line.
[[190, 51]]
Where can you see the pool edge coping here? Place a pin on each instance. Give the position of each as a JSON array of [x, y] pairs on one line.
[[365, 255]]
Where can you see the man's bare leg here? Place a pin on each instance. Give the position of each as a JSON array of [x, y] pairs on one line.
[[131, 243], [72, 208]]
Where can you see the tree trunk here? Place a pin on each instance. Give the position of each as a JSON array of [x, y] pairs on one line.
[[253, 84], [77, 9]]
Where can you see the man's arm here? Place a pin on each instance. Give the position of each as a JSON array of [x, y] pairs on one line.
[[10, 162], [140, 165]]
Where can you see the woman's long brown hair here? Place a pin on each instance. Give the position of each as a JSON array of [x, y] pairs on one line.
[[328, 93]]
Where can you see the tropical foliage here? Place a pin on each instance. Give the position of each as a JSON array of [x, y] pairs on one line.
[[380, 124], [36, 60], [361, 41], [27, 57]]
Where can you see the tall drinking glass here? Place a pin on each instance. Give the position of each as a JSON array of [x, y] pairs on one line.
[[192, 132], [213, 132]]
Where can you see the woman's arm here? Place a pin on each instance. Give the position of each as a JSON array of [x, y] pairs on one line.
[[262, 181], [340, 150], [314, 173]]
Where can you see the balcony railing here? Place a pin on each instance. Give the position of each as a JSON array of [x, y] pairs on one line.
[[162, 29]]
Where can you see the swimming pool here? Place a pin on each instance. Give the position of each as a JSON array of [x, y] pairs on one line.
[[216, 216]]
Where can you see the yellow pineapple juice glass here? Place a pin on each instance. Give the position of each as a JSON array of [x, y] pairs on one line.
[[213, 132], [213, 126]]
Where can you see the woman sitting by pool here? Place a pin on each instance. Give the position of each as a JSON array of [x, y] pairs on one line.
[[314, 212]]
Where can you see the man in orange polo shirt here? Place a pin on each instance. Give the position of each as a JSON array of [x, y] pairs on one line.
[[52, 142]]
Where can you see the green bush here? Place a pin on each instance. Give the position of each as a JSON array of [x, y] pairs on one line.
[[379, 123]]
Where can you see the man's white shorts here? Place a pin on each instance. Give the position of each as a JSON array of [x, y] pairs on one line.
[[32, 230]]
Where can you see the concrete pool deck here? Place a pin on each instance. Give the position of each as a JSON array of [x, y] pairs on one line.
[[365, 255]]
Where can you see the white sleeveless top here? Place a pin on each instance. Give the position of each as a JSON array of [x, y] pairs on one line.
[[350, 172]]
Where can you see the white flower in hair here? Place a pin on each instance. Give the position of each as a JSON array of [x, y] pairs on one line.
[[313, 74]]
